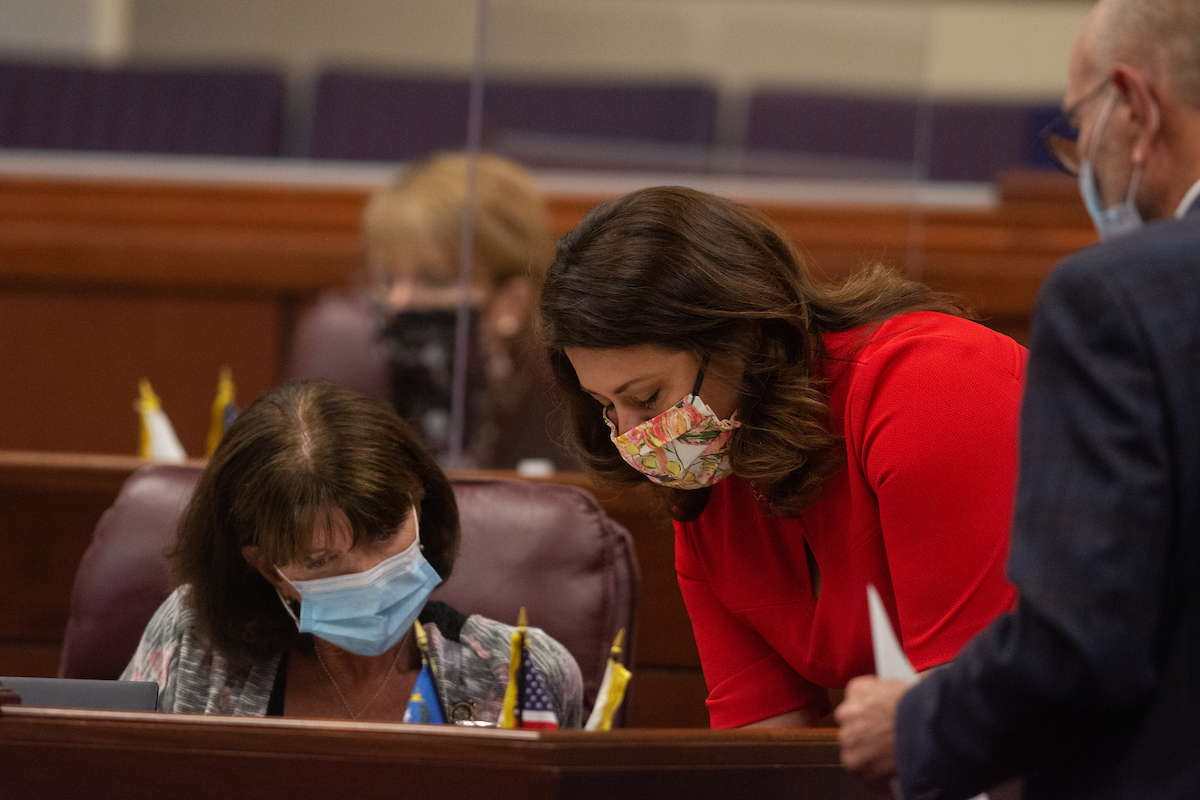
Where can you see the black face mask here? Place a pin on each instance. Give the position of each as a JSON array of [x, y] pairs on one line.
[[420, 354]]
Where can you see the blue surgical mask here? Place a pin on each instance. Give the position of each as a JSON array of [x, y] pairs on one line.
[[1123, 218], [367, 612]]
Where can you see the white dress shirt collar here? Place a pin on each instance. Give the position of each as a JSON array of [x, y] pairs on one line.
[[1186, 203]]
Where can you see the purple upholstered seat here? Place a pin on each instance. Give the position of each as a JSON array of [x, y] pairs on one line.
[[679, 113], [830, 124], [141, 109], [858, 136], [978, 141], [614, 125], [378, 117]]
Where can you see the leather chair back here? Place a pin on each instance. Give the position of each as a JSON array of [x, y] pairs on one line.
[[122, 578], [336, 339], [547, 547], [553, 550]]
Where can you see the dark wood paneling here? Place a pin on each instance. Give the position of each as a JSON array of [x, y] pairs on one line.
[[36, 659], [667, 697], [300, 239], [106, 282], [72, 359]]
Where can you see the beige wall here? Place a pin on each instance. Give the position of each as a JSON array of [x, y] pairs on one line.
[[96, 29], [987, 49], [1002, 49]]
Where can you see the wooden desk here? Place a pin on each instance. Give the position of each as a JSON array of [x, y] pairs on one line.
[[68, 753], [50, 504]]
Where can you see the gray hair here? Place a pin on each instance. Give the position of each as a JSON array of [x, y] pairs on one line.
[[1160, 36]]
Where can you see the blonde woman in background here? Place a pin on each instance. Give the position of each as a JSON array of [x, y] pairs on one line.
[[395, 340]]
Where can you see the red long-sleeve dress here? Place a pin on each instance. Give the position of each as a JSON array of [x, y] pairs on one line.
[[929, 405]]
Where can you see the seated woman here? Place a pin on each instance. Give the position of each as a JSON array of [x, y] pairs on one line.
[[310, 546], [397, 341]]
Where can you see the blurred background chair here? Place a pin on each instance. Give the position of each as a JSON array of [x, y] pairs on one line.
[[841, 135], [219, 112], [122, 578], [362, 116], [337, 339], [823, 135], [547, 547], [601, 125]]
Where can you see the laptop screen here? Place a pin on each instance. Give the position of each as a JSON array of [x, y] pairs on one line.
[[81, 693]]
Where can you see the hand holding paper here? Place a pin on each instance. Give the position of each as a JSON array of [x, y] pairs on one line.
[[890, 661]]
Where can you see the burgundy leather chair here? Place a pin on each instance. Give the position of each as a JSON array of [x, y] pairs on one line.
[[336, 339], [544, 546]]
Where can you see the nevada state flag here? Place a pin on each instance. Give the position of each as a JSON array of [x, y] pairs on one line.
[[423, 705]]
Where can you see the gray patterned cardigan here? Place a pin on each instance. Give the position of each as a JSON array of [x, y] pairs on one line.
[[470, 653]]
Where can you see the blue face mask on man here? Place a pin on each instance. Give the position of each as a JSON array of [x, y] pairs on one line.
[[368, 612], [1118, 220]]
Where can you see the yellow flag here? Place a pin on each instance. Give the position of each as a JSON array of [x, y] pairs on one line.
[[612, 690], [508, 716], [225, 397], [157, 439]]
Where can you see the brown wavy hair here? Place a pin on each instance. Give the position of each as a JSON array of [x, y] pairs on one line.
[[688, 271], [292, 457]]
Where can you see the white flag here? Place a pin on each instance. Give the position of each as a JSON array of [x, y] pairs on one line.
[[157, 440]]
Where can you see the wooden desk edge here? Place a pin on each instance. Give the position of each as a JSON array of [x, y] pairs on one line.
[[399, 743]]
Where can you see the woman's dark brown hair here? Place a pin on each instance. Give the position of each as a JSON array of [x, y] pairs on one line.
[[688, 271], [291, 458]]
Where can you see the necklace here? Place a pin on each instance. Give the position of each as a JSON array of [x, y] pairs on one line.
[[338, 689]]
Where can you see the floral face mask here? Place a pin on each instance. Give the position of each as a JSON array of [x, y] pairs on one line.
[[683, 448]]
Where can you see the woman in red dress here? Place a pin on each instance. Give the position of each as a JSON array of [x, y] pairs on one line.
[[810, 438]]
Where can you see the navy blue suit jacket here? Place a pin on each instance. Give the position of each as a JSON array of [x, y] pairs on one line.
[[1091, 687]]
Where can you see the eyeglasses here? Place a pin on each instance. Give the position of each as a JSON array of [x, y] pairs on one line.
[[1061, 136]]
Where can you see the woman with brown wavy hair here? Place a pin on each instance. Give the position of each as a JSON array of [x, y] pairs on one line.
[[810, 438]]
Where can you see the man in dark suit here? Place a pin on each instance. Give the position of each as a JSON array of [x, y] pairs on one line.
[[1091, 687]]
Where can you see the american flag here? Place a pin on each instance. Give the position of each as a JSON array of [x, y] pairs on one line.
[[537, 706]]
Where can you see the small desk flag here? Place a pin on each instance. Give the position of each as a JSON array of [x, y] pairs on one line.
[[157, 439], [224, 410], [612, 690], [527, 701], [423, 704]]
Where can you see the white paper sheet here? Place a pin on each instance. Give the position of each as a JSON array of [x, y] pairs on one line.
[[890, 661]]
